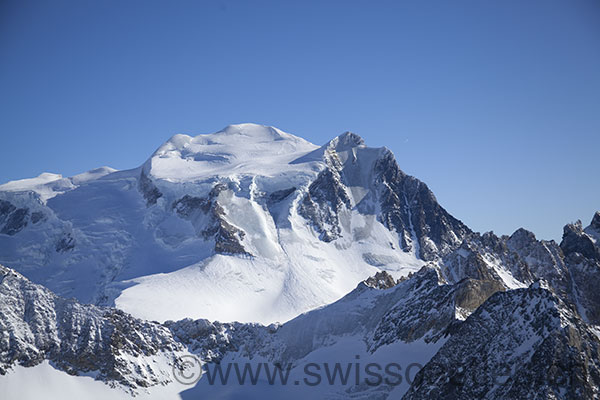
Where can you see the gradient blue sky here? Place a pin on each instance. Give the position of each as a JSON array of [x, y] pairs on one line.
[[495, 105]]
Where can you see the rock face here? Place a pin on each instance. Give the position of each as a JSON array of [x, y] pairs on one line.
[[406, 205], [381, 280], [411, 209], [13, 219], [148, 190], [575, 240], [322, 205], [433, 308], [208, 216], [66, 243], [524, 343], [37, 325], [582, 257], [520, 259], [471, 293], [211, 341]]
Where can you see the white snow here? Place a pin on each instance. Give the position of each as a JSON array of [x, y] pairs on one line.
[[245, 149], [46, 382], [48, 185], [31, 183], [92, 175], [509, 280]]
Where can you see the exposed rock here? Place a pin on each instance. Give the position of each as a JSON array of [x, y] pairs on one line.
[[523, 343], [411, 209], [575, 240], [406, 205], [228, 238], [6, 208], [188, 205], [584, 281], [148, 189], [12, 219], [38, 325], [213, 340], [544, 259], [595, 224], [468, 262], [280, 195], [433, 308], [66, 243], [582, 276], [322, 205], [381, 280], [428, 313], [482, 256], [37, 216], [471, 293]]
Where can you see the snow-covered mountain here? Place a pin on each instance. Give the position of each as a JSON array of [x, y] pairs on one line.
[[251, 245], [249, 224]]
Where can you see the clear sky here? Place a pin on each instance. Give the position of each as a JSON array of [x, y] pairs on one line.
[[494, 104]]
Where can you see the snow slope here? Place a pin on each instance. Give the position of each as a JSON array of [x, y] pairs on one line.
[[46, 382]]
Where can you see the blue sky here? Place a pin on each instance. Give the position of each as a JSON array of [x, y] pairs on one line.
[[495, 105]]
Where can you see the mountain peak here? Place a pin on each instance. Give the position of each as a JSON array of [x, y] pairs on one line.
[[522, 234], [339, 144], [255, 131], [572, 227], [242, 148], [346, 141], [234, 134], [595, 224]]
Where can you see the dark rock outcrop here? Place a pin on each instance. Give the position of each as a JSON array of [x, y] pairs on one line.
[[524, 343], [280, 195], [381, 280], [66, 243], [431, 309], [471, 293], [575, 240], [148, 189], [228, 238], [213, 340], [38, 325], [411, 209], [322, 205], [12, 219]]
